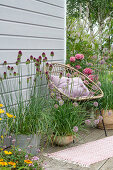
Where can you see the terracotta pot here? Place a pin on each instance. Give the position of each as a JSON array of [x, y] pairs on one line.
[[62, 140], [108, 119]]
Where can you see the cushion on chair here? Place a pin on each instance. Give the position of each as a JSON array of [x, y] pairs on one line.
[[72, 87]]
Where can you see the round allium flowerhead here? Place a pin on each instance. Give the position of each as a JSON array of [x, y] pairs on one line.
[[47, 64], [37, 70], [52, 54], [79, 56], [20, 53], [95, 104], [75, 129], [31, 57], [28, 61], [96, 122], [100, 118], [61, 102], [8, 67], [78, 67], [34, 59], [75, 104], [94, 57], [87, 122], [87, 71], [14, 73], [60, 76], [46, 72], [37, 60], [72, 59], [17, 63], [43, 54], [18, 59], [45, 58], [12, 68], [56, 106], [50, 67], [40, 58], [5, 63]]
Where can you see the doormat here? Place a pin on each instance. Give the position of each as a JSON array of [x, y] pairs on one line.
[[86, 154]]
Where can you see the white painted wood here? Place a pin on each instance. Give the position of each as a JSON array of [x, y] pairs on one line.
[[35, 6], [9, 42], [16, 15], [11, 55], [30, 30], [54, 2]]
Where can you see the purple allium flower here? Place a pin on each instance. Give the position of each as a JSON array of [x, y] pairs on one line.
[[95, 104], [5, 75], [46, 72], [45, 58], [37, 60], [75, 104], [94, 57], [26, 156], [99, 83], [31, 57], [61, 102], [52, 54], [18, 59], [60, 76], [40, 58], [96, 122], [50, 67], [75, 129], [20, 53], [47, 64], [56, 106], [43, 54], [102, 61], [5, 63], [30, 146], [37, 70], [37, 65], [68, 75], [38, 150], [35, 158], [34, 59], [87, 122], [14, 73], [12, 68], [100, 118], [17, 63], [28, 61], [19, 150], [8, 67], [13, 141]]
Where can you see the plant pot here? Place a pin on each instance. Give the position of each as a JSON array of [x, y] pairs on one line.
[[62, 140], [107, 118], [30, 143]]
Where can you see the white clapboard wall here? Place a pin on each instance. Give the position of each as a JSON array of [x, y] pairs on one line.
[[32, 26]]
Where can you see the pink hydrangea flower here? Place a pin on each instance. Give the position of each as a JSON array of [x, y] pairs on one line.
[[88, 71], [75, 129], [72, 59], [87, 122], [79, 56], [78, 67]]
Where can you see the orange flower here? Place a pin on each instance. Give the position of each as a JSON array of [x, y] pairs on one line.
[[1, 160], [28, 161], [7, 152], [1, 105], [3, 163], [12, 163]]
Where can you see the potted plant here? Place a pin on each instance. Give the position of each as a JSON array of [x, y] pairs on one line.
[[106, 102], [66, 119]]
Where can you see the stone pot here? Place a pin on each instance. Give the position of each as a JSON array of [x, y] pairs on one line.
[[107, 118], [62, 140], [30, 143]]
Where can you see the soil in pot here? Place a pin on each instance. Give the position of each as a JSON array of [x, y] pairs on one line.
[[107, 118]]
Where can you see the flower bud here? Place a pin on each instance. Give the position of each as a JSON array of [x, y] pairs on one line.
[[43, 54], [8, 67], [31, 57], [52, 54], [5, 75], [5, 63]]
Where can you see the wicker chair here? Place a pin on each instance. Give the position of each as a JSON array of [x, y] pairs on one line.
[[94, 89]]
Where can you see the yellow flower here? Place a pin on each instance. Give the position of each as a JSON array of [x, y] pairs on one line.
[[14, 117], [1, 149], [12, 163], [7, 152], [2, 137], [2, 111], [28, 161], [1, 160], [9, 115], [1, 105], [3, 163], [0, 118]]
